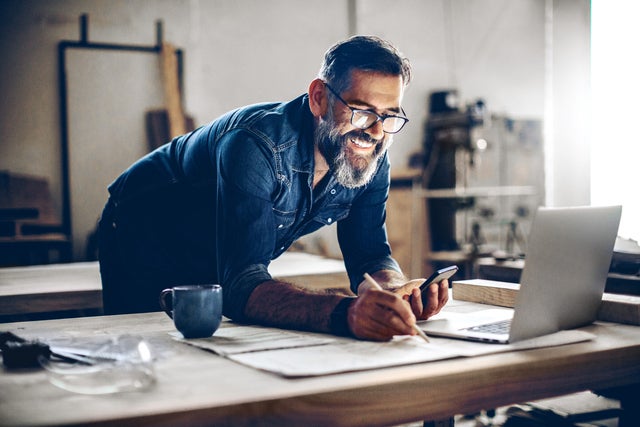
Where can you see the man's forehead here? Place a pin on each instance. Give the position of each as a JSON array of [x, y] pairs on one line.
[[375, 90]]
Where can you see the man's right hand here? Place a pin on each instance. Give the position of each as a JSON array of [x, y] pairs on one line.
[[378, 315]]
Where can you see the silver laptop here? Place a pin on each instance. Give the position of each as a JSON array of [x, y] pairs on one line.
[[561, 287]]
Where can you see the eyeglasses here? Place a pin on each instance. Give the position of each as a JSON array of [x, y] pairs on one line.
[[364, 119]]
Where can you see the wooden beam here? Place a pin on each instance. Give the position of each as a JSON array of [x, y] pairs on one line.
[[171, 85]]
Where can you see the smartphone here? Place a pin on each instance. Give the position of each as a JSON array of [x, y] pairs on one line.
[[437, 277]]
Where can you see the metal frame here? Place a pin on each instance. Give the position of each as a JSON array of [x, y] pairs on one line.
[[84, 43]]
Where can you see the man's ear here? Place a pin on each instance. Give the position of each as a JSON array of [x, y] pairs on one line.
[[318, 98]]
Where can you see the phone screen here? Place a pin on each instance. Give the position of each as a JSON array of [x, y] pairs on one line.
[[439, 276]]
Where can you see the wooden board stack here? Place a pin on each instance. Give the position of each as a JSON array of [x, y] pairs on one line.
[[617, 308]]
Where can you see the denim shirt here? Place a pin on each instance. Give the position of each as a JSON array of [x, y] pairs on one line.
[[252, 172]]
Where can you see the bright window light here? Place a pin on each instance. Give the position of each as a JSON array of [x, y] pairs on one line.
[[615, 92]]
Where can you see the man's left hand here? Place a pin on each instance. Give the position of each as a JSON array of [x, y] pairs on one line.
[[436, 298]]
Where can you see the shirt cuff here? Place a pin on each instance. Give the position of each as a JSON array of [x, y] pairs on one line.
[[236, 293], [356, 277]]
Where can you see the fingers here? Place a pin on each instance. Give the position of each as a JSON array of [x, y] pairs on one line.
[[379, 315], [443, 296], [415, 300], [435, 298]]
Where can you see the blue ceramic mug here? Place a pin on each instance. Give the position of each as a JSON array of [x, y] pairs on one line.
[[196, 310]]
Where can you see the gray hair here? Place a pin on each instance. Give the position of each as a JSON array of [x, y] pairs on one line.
[[366, 53]]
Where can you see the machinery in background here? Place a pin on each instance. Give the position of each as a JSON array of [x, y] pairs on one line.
[[483, 178], [448, 130]]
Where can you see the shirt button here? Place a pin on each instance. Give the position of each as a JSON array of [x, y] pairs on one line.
[[282, 248], [329, 220], [333, 191], [114, 225], [280, 226]]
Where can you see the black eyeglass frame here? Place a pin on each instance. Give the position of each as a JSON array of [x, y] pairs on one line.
[[379, 118]]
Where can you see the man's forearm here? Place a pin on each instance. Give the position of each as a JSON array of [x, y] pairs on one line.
[[284, 305]]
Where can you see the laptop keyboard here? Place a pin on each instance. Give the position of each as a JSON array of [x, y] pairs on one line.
[[501, 327]]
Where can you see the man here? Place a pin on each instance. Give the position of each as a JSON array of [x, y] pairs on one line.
[[218, 204]]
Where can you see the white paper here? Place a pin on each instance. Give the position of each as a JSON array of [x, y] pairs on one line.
[[300, 354], [234, 339], [346, 355]]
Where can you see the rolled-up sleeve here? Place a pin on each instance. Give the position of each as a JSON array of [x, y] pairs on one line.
[[363, 235], [245, 224]]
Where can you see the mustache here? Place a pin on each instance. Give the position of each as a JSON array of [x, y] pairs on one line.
[[362, 135]]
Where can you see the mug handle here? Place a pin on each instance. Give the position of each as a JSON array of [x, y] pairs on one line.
[[163, 302]]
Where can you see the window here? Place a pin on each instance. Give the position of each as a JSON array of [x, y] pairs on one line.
[[615, 91]]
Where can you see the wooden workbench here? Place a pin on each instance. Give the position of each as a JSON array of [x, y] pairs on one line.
[[195, 387]]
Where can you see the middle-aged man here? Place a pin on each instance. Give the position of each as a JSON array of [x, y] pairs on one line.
[[218, 204]]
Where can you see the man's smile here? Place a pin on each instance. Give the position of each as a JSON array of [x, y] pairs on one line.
[[360, 143]]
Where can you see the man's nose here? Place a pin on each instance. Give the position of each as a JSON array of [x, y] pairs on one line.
[[376, 131]]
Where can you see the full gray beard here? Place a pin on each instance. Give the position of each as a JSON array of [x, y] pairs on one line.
[[349, 169]]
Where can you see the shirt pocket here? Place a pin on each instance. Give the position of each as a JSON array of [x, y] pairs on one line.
[[332, 214], [284, 220]]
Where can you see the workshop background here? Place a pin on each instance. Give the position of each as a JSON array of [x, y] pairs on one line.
[[498, 104]]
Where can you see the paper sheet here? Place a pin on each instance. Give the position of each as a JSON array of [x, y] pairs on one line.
[[344, 356], [233, 339], [301, 354]]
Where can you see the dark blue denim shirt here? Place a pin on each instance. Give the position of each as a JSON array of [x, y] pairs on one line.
[[251, 172]]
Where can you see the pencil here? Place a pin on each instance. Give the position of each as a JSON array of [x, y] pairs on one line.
[[376, 285]]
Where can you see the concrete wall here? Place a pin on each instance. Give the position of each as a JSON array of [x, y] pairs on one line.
[[245, 51]]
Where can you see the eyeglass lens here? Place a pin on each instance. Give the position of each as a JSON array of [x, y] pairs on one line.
[[364, 119]]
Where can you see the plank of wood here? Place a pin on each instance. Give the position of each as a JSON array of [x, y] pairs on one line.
[[620, 308], [482, 291], [389, 396], [77, 286], [171, 86], [50, 288], [614, 308]]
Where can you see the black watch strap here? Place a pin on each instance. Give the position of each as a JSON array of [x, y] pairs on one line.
[[339, 323]]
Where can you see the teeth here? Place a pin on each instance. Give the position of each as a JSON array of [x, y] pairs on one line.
[[362, 144]]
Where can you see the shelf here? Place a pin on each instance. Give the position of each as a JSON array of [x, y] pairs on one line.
[[450, 193]]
